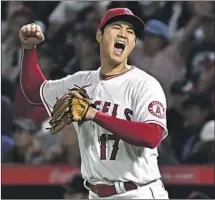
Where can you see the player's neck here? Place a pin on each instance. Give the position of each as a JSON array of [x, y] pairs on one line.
[[108, 69]]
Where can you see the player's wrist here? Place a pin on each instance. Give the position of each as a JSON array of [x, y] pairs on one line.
[[91, 114], [28, 47]]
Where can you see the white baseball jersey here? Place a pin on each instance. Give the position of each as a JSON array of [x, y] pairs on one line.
[[133, 95]]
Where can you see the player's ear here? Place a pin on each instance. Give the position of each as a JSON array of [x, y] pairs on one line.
[[98, 36]]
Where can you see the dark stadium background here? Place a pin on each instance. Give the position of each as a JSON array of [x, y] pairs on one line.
[[70, 28]]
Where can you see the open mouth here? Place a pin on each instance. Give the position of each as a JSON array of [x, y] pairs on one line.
[[119, 48]]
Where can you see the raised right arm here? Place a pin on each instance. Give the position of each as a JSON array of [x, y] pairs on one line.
[[31, 77], [35, 87]]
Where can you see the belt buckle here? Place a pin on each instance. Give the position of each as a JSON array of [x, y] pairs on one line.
[[97, 191], [101, 191]]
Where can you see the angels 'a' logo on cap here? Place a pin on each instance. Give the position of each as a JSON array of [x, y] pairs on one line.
[[157, 109], [127, 12]]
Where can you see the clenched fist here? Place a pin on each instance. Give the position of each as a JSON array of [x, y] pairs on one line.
[[31, 35]]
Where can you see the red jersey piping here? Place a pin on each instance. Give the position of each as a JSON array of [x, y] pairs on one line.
[[114, 76]]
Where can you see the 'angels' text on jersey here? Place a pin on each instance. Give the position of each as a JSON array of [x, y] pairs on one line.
[[112, 109]]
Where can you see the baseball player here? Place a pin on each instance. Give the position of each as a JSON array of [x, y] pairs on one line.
[[118, 141]]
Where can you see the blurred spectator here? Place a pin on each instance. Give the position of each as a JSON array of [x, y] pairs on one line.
[[176, 14], [26, 146], [206, 77], [180, 91], [64, 12], [201, 67], [203, 8], [66, 150], [85, 46], [62, 42], [10, 42], [189, 11], [204, 151], [10, 8], [7, 141], [196, 113], [7, 115], [153, 10], [207, 132], [46, 139], [75, 189], [42, 9], [47, 59], [64, 38], [204, 154], [200, 61], [197, 195], [89, 16], [7, 88]]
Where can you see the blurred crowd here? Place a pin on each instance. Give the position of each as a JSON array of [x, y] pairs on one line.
[[177, 47]]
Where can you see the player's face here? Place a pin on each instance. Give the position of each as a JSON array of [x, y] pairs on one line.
[[118, 41]]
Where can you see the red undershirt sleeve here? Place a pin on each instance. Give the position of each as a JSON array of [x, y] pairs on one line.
[[135, 133], [31, 77]]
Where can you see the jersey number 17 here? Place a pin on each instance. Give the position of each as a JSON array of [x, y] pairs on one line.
[[104, 138]]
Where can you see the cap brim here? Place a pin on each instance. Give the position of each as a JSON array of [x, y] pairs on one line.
[[137, 23]]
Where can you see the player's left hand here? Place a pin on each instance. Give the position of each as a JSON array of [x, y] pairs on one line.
[[81, 94], [74, 106]]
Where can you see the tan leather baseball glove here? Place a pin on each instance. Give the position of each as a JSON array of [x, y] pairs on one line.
[[69, 108]]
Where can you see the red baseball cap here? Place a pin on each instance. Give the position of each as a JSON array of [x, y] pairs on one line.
[[122, 14]]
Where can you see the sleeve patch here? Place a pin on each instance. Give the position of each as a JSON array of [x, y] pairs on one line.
[[157, 109]]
